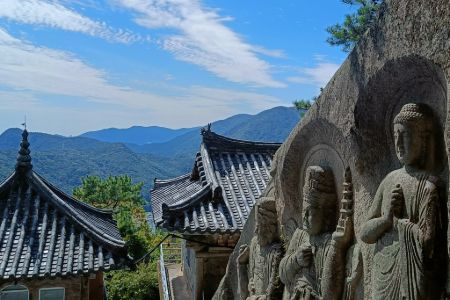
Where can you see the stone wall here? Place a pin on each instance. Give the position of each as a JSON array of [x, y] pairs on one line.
[[404, 58], [189, 267]]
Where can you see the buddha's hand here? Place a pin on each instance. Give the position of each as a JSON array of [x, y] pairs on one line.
[[305, 293], [244, 254], [395, 204], [304, 256]]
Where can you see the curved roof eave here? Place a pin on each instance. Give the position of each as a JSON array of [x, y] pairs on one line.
[[94, 231], [212, 138], [164, 182], [191, 201]]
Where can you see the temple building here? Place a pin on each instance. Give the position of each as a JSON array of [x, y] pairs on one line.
[[52, 246], [210, 205]]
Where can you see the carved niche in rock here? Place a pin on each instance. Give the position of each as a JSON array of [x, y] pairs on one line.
[[258, 263], [314, 266], [407, 220]]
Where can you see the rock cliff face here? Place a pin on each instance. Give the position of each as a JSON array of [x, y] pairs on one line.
[[384, 116]]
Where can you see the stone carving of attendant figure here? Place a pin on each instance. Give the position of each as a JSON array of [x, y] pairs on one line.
[[408, 217], [258, 263], [314, 264]]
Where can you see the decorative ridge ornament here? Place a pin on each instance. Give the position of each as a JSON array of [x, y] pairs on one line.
[[206, 130], [23, 164]]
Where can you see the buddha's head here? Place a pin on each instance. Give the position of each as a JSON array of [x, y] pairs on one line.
[[266, 227], [412, 132], [319, 201]]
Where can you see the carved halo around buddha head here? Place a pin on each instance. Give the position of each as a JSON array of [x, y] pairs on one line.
[[319, 201], [266, 227], [412, 134]]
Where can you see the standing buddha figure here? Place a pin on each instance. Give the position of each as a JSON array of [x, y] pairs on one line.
[[407, 219]]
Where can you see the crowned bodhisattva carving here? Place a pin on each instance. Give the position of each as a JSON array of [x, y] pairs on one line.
[[314, 266], [406, 221]]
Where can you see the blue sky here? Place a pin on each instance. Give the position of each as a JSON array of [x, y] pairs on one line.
[[76, 65]]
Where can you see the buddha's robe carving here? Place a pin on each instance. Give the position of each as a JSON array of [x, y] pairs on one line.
[[301, 276], [406, 220]]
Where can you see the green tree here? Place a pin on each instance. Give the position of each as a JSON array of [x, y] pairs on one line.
[[302, 104], [110, 193], [124, 197], [136, 285], [355, 25]]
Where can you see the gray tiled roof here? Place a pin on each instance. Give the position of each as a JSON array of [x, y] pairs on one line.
[[217, 196], [44, 232]]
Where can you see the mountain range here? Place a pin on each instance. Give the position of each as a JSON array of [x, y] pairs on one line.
[[272, 125], [141, 152], [138, 135]]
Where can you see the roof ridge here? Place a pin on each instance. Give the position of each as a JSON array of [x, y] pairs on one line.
[[94, 231], [71, 198], [8, 181], [210, 174], [209, 136], [163, 182]]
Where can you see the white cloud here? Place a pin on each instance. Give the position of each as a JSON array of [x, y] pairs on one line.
[[24, 66], [204, 40], [54, 14], [31, 74], [268, 52], [319, 75], [220, 97], [9, 100]]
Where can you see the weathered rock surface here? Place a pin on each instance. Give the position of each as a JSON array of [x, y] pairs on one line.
[[404, 58]]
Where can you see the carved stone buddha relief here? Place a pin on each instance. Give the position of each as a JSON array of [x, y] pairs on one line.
[[315, 265], [407, 220]]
